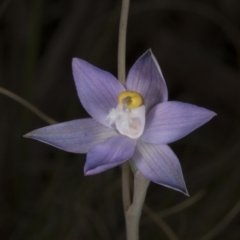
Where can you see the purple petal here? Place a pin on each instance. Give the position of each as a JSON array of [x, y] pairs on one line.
[[97, 90], [159, 164], [109, 154], [77, 136], [146, 78], [170, 121]]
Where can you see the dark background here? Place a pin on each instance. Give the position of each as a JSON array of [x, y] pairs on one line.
[[43, 193]]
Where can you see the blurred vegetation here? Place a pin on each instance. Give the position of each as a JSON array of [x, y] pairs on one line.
[[43, 193]]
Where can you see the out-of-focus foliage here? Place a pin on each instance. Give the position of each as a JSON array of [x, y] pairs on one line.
[[43, 193]]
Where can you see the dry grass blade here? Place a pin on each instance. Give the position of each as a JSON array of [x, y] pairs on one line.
[[183, 205], [158, 220], [197, 8], [28, 105], [224, 223], [4, 6], [178, 207], [96, 220]]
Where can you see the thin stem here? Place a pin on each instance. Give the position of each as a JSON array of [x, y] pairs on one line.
[[27, 105], [122, 41], [134, 212], [122, 78]]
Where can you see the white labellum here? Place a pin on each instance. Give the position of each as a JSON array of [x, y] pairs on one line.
[[129, 122]]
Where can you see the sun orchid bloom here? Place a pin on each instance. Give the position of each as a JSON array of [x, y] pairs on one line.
[[134, 122]]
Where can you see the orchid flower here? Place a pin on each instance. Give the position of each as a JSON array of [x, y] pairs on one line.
[[134, 122]]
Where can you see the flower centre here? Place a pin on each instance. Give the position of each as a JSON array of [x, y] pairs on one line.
[[130, 99], [129, 115]]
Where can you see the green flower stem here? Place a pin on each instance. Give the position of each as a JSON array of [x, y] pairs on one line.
[[122, 41], [132, 211], [122, 79], [133, 214]]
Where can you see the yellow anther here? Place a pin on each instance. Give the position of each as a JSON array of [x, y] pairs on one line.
[[130, 99]]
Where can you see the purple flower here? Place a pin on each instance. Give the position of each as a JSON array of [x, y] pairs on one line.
[[134, 121]]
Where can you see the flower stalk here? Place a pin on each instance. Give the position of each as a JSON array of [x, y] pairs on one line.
[[122, 41], [132, 211], [133, 214], [122, 79]]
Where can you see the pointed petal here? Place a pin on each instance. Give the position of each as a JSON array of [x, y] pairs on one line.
[[170, 121], [77, 136], [146, 78], [109, 154], [97, 90], [159, 164]]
